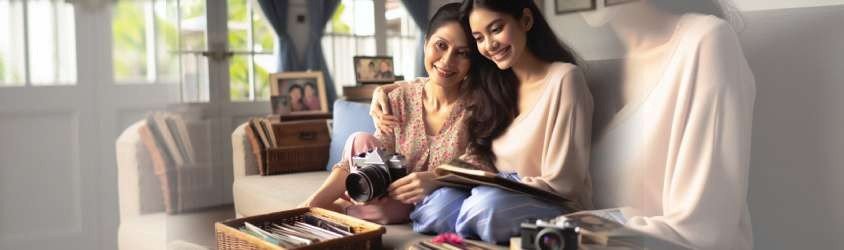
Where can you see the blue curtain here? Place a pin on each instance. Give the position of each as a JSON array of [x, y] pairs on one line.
[[319, 12], [418, 9], [276, 12]]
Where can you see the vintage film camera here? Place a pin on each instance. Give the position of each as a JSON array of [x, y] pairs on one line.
[[556, 234], [372, 173]]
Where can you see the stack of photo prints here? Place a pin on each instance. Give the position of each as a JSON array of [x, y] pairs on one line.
[[294, 234]]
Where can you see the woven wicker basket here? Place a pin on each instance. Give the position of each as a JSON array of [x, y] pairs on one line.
[[367, 235], [303, 147], [283, 160]]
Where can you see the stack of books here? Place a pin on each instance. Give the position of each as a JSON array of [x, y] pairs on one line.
[[294, 234], [288, 145], [171, 135], [261, 137], [168, 141]]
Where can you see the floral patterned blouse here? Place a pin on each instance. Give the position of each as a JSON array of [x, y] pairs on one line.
[[410, 138]]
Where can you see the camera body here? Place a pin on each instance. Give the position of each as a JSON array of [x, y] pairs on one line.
[[372, 172], [556, 234]]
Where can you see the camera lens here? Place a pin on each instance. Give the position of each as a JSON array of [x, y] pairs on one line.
[[368, 183], [359, 187], [550, 239]]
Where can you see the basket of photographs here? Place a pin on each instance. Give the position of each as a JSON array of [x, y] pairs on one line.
[[302, 228]]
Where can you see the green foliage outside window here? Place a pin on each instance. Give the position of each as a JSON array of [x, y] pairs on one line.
[[191, 12], [168, 39], [337, 24], [263, 36], [129, 41], [2, 68], [238, 65], [11, 78], [264, 41], [130, 48]]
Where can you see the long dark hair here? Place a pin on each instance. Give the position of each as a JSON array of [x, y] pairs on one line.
[[449, 13], [446, 14], [494, 102]]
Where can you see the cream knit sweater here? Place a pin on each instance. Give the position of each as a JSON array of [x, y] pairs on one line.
[[678, 157]]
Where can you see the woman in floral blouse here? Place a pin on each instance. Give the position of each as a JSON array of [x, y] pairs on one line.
[[425, 125]]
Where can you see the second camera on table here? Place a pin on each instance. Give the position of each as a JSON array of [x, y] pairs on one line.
[[555, 234]]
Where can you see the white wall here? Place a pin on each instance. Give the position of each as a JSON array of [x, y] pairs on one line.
[[588, 42], [601, 43], [798, 130], [752, 5]]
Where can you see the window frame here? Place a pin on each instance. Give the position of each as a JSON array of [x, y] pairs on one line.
[[27, 81], [203, 57], [381, 42], [251, 53]]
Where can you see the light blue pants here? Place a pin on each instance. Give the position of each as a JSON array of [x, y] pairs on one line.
[[488, 213]]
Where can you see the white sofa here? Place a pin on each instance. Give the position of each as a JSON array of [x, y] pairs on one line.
[[143, 222]]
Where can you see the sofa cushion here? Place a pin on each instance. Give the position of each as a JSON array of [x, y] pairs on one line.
[[349, 117], [255, 194]]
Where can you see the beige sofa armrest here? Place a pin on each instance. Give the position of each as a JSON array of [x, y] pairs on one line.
[[244, 161], [139, 191]]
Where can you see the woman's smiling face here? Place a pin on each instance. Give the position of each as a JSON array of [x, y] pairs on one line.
[[500, 37], [447, 55]]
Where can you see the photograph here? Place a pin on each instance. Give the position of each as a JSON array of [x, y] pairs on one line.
[[374, 69], [569, 6], [280, 105], [616, 2], [298, 93]]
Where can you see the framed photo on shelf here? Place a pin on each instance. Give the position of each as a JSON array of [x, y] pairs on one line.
[[374, 69], [569, 6], [296, 93], [616, 2]]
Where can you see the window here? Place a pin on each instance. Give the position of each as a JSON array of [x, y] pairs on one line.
[[34, 49], [145, 42], [163, 41], [352, 32], [160, 41], [402, 38], [253, 41]]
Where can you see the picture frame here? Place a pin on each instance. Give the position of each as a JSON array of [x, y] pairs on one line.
[[298, 93], [570, 6], [374, 69], [616, 2]]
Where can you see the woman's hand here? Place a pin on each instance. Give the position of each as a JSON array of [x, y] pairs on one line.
[[413, 187], [380, 110]]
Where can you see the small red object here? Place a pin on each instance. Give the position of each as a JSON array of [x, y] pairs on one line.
[[450, 238]]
